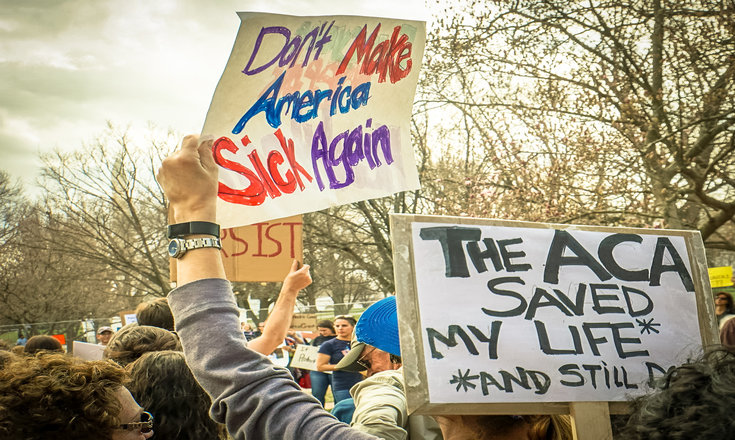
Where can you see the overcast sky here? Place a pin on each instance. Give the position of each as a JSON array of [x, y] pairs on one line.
[[67, 67]]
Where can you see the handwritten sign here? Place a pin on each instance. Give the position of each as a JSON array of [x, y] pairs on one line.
[[305, 357], [263, 251], [720, 276], [521, 312], [313, 112], [304, 321], [128, 317]]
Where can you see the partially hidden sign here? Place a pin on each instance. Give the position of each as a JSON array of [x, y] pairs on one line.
[[305, 357], [304, 322], [313, 112], [720, 276], [263, 251], [497, 311]]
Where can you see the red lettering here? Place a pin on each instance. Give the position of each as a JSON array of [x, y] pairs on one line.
[[254, 194], [265, 181], [239, 240], [385, 59], [396, 45], [288, 150], [289, 185], [260, 240], [362, 48], [293, 236], [224, 235], [264, 177], [269, 237]]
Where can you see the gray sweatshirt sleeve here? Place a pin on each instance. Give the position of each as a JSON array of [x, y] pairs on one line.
[[252, 397]]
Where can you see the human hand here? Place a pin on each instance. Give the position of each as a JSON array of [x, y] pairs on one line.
[[298, 278], [189, 179]]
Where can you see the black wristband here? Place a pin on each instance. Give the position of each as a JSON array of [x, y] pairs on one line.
[[193, 228]]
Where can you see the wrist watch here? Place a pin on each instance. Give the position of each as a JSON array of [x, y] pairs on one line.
[[177, 247]]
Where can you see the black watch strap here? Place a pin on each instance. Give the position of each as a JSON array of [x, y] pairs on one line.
[[193, 228]]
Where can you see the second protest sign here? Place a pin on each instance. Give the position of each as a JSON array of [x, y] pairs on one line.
[[513, 312]]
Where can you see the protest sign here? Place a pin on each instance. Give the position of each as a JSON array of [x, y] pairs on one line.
[[304, 321], [720, 276], [128, 317], [313, 112], [526, 313], [87, 351], [261, 252], [305, 357]]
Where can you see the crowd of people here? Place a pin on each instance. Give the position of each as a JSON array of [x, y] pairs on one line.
[[190, 369]]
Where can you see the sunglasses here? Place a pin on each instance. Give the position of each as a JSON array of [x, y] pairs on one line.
[[363, 361], [145, 425]]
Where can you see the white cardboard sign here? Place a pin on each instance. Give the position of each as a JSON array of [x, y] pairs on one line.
[[87, 351], [305, 357], [544, 314], [313, 112]]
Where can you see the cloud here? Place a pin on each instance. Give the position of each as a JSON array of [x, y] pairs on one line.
[[66, 68]]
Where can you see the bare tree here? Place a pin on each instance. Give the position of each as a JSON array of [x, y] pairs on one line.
[[13, 208], [105, 207], [609, 112], [41, 285]]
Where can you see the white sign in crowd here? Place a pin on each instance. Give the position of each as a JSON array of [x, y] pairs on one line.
[[538, 314]]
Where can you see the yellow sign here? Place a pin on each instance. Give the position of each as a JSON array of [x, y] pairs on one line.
[[720, 276], [304, 322]]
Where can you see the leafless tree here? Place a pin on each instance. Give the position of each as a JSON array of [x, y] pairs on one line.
[[105, 207], [610, 112]]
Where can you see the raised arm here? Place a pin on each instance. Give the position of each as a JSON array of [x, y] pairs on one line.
[[254, 398], [279, 321]]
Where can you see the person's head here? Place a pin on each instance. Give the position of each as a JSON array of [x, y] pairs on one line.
[[131, 342], [376, 345], [5, 357], [104, 334], [245, 326], [42, 342], [343, 326], [724, 300], [325, 328], [163, 384], [692, 401], [52, 395], [156, 313], [486, 427]]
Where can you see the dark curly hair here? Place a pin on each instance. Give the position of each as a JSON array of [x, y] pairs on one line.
[[52, 395], [162, 383], [156, 313], [693, 401], [132, 341]]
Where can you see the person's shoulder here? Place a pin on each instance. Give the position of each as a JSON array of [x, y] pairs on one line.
[[327, 345], [389, 377], [725, 319]]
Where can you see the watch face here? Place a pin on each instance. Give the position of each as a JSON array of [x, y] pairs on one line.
[[173, 248]]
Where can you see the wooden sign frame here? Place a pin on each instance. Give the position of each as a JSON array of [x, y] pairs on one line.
[[587, 416]]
